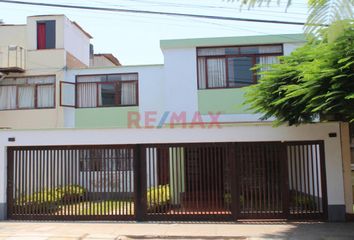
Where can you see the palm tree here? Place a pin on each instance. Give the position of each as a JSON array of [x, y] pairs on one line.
[[321, 12]]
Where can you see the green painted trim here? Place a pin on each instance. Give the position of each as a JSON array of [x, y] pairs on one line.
[[110, 117], [224, 41], [225, 101]]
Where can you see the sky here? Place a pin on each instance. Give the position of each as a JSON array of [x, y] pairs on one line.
[[135, 38]]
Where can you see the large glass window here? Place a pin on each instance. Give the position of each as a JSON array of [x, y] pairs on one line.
[[27, 92], [107, 90], [228, 67]]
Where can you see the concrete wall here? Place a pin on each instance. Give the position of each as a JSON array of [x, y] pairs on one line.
[[76, 42], [346, 163], [13, 35], [231, 133], [180, 74], [46, 60]]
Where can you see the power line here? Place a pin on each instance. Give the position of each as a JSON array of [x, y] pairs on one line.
[[147, 20], [153, 12], [181, 5]]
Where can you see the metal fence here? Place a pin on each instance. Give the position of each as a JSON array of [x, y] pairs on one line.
[[71, 182], [194, 181]]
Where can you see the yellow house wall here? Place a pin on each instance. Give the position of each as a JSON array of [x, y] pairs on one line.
[[13, 35], [36, 118]]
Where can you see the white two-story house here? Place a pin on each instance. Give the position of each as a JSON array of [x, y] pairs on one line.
[[156, 142]]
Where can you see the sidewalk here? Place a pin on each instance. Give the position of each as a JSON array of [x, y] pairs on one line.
[[125, 231]]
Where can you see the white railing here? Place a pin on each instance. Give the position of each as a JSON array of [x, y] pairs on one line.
[[12, 57]]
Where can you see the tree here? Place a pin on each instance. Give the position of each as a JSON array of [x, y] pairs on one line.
[[321, 12], [315, 81]]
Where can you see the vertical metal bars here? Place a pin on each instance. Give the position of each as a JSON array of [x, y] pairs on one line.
[[306, 176], [71, 183], [186, 181]]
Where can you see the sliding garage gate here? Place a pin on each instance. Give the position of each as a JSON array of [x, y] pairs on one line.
[[205, 181]]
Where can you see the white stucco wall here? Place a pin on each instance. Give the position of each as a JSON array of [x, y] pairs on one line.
[[236, 133], [76, 42], [180, 74]]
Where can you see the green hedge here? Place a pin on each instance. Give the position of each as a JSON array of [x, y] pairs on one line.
[[304, 202], [49, 200]]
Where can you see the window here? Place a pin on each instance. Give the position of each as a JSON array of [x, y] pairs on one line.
[[106, 160], [46, 34], [107, 90], [229, 67], [27, 92]]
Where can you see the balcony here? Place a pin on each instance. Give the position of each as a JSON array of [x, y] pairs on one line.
[[12, 59]]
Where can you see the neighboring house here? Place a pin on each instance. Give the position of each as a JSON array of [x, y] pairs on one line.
[[104, 60], [157, 142], [34, 58]]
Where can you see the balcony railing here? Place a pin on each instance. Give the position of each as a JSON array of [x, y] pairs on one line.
[[12, 58]]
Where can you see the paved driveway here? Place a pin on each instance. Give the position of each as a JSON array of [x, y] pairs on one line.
[[112, 230]]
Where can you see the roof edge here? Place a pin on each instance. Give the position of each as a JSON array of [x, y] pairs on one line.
[[82, 30], [240, 40], [110, 58]]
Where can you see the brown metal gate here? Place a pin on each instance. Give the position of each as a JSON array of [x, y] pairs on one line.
[[306, 180], [187, 182], [71, 183], [194, 181], [261, 180]]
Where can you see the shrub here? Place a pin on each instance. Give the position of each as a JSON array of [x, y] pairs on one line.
[[48, 200], [158, 196], [228, 199], [71, 192], [304, 202]]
